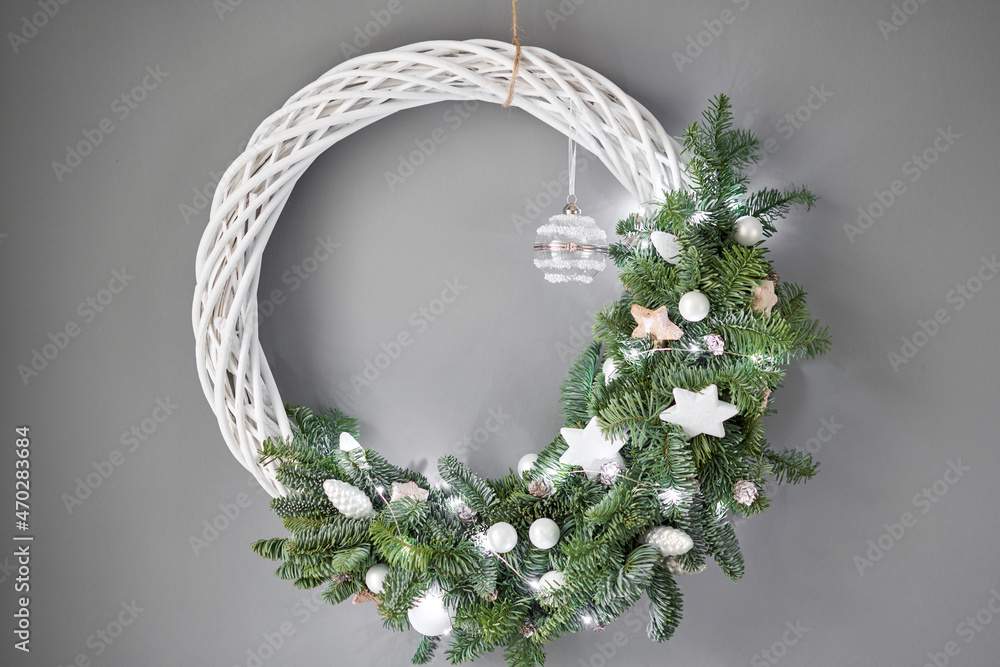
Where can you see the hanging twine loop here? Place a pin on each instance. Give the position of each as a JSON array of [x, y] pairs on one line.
[[517, 58]]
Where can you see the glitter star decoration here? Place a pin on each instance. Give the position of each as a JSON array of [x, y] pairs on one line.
[[589, 449], [408, 490], [699, 412], [654, 323], [764, 298]]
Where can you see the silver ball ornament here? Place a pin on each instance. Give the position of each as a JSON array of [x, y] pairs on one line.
[[375, 577], [748, 230], [544, 533], [550, 582], [694, 306], [429, 616], [501, 537], [525, 464]]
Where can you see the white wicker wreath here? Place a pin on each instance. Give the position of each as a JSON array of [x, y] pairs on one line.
[[251, 194]]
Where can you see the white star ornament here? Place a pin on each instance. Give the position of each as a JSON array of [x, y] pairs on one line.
[[699, 412], [589, 449]]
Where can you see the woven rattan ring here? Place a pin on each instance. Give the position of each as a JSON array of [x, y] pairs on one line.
[[251, 194]]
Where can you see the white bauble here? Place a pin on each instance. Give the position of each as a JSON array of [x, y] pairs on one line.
[[429, 616], [525, 464], [544, 533], [670, 541], [501, 537], [349, 499], [694, 306], [610, 370], [748, 230], [551, 581], [375, 577], [666, 246], [348, 443]]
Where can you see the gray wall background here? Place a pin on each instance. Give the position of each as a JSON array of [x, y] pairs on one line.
[[502, 345]]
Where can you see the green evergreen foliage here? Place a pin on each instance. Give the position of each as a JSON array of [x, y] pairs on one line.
[[669, 479]]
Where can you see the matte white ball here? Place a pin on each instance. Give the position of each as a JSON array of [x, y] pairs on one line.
[[551, 581], [748, 230], [375, 577], [610, 370], [544, 533], [429, 616], [501, 537], [525, 464], [666, 246], [693, 306]]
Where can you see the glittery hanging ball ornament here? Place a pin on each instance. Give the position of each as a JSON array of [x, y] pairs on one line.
[[745, 492], [571, 248]]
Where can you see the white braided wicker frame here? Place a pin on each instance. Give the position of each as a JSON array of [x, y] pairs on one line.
[[251, 194]]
